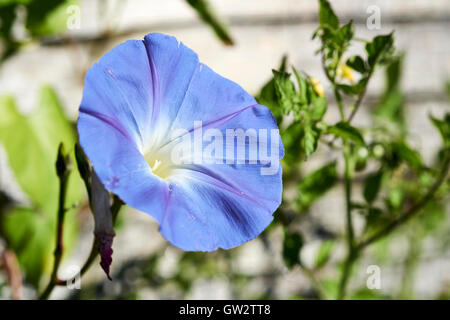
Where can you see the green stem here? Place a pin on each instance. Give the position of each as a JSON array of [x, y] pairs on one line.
[[315, 283], [361, 95], [355, 250], [351, 253], [348, 179], [59, 237], [346, 271], [414, 209], [339, 102], [415, 238]]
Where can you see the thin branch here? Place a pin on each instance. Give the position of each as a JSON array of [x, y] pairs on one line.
[[413, 210], [63, 179], [12, 268], [352, 254], [360, 99], [346, 271], [315, 283]]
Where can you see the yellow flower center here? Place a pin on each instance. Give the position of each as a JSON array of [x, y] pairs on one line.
[[160, 163]]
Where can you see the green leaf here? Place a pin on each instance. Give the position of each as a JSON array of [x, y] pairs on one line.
[[48, 18], [331, 287], [292, 245], [302, 87], [345, 34], [324, 254], [346, 131], [9, 2], [268, 95], [30, 236], [444, 128], [291, 137], [374, 214], [316, 184], [351, 90], [31, 144], [396, 197], [8, 44], [327, 17], [372, 186], [310, 139], [25, 155], [207, 14], [390, 107], [285, 90], [407, 154], [357, 63], [319, 107], [435, 217], [380, 49]]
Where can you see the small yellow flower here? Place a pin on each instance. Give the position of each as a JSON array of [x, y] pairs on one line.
[[345, 71], [318, 88]]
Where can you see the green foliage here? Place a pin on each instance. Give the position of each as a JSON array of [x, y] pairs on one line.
[[31, 144], [306, 104], [291, 137], [380, 50], [327, 17], [287, 95], [316, 184], [347, 132], [324, 254], [358, 64], [48, 18], [390, 108], [401, 180], [43, 18], [405, 153], [311, 138], [292, 245], [335, 39], [372, 186], [444, 128], [268, 95], [205, 12]]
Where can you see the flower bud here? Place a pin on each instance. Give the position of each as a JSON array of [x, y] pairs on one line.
[[104, 230], [317, 86]]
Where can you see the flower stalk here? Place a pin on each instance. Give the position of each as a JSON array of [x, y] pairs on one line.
[[63, 169]]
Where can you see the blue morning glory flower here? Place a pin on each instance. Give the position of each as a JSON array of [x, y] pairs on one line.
[[145, 106]]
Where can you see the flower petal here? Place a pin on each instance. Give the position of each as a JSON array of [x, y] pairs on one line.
[[119, 165], [204, 214], [224, 205], [120, 86], [190, 90]]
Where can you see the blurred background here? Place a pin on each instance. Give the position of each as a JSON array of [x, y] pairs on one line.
[[48, 46]]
